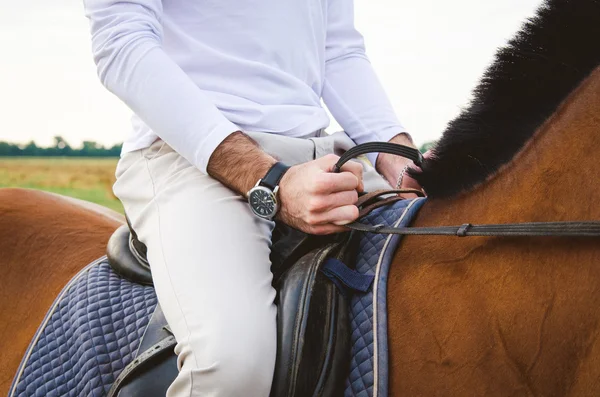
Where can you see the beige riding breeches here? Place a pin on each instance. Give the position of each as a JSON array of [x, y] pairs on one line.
[[210, 262]]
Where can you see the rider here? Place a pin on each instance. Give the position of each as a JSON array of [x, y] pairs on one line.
[[221, 92]]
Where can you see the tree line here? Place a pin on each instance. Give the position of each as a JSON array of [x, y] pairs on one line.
[[60, 148], [89, 149]]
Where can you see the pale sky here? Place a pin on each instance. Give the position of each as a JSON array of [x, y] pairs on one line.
[[429, 55]]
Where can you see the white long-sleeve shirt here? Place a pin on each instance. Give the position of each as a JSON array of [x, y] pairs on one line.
[[194, 71]]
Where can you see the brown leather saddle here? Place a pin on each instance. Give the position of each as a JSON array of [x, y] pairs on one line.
[[313, 330]]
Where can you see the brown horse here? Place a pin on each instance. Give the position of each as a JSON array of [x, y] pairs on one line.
[[468, 317], [510, 316], [45, 239]]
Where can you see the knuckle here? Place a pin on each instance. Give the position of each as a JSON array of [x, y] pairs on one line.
[[322, 184], [311, 220], [352, 179], [355, 165], [359, 170], [331, 157], [317, 203]]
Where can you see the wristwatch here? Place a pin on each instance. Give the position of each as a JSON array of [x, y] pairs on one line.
[[263, 196]]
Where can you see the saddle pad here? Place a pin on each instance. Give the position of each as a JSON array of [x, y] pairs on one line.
[[368, 311], [90, 334]]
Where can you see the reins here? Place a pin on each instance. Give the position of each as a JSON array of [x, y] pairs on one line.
[[370, 201]]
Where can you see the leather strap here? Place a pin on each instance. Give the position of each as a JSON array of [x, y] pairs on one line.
[[166, 344], [380, 147], [368, 198], [367, 203], [274, 175], [533, 229]]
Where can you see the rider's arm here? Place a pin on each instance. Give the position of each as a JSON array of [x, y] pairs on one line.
[[313, 199], [352, 91], [126, 44]]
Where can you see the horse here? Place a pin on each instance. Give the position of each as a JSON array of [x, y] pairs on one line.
[[509, 316], [475, 316]]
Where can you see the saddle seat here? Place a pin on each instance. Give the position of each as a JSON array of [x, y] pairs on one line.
[[313, 330], [127, 256]]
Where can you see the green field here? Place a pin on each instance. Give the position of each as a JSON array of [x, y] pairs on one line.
[[89, 179]]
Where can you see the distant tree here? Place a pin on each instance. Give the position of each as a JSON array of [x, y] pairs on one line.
[[9, 149], [115, 150], [31, 149], [60, 148]]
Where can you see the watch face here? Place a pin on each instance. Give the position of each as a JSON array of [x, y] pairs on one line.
[[262, 201]]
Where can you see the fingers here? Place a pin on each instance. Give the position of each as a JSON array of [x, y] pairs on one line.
[[356, 169], [326, 202], [338, 216], [327, 229], [327, 183], [318, 201]]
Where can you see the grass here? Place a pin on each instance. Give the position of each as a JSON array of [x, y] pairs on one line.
[[89, 179]]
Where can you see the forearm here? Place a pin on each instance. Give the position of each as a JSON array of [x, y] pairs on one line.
[[389, 165], [238, 162]]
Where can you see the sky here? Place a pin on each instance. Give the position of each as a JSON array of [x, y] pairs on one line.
[[429, 54]]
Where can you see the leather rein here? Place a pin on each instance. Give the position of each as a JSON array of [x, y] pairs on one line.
[[369, 201]]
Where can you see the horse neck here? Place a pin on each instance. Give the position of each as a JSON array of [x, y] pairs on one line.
[[553, 178]]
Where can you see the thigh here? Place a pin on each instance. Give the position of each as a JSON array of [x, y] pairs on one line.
[[209, 255]]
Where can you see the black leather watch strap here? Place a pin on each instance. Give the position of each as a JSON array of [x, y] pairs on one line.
[[274, 175]]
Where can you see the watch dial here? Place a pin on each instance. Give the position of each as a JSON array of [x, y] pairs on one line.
[[262, 202]]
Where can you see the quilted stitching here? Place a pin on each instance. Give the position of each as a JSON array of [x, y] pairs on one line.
[[361, 380], [91, 336], [97, 326]]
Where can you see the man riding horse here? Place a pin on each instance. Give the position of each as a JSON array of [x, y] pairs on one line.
[[228, 135]]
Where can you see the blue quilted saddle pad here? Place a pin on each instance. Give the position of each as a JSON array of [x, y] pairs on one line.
[[90, 334], [95, 325], [368, 311]]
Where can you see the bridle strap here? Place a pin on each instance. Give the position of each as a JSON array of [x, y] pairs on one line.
[[532, 229], [369, 202], [379, 147]]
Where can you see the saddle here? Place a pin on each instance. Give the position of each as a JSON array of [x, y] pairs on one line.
[[313, 330], [313, 281]]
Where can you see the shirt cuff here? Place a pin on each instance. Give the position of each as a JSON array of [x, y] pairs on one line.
[[210, 143]]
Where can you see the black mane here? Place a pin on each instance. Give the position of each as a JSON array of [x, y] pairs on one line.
[[529, 78]]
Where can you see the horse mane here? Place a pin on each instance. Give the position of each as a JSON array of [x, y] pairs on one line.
[[547, 59]]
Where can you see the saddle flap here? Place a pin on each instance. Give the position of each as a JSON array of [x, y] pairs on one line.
[[313, 336]]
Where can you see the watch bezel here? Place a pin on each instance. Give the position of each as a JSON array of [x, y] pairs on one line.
[[272, 193]]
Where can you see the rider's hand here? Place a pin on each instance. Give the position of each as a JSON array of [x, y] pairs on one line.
[[318, 201]]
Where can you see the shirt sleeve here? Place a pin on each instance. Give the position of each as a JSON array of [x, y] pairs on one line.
[[126, 45], [352, 91]]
